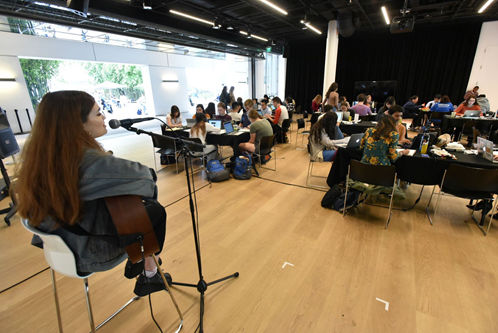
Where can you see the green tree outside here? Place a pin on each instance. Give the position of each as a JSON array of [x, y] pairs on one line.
[[127, 75], [37, 74]]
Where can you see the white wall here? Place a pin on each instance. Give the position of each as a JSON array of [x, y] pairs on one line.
[[330, 56], [260, 78], [485, 68], [14, 95]]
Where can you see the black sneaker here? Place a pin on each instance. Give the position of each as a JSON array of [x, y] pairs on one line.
[[132, 270], [145, 286]]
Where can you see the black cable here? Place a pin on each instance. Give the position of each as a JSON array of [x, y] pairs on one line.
[[174, 202], [26, 279], [289, 184]]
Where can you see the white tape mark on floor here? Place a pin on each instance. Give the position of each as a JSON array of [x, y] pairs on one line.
[[385, 302], [287, 263]]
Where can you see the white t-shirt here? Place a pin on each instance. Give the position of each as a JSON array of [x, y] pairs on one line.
[[284, 114], [176, 121], [236, 116], [198, 134]]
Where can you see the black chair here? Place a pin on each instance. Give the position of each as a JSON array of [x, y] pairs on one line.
[[301, 125], [199, 152], [285, 128], [470, 183], [436, 118], [314, 118], [420, 171], [266, 147], [382, 175], [166, 146]]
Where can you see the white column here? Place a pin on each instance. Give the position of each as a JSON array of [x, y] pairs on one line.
[[330, 56], [282, 74]]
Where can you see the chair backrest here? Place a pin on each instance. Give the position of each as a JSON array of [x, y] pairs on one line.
[[420, 170], [266, 144], [57, 254], [159, 141], [285, 125], [196, 148], [305, 114], [314, 117], [382, 175], [439, 115], [300, 123], [465, 179]]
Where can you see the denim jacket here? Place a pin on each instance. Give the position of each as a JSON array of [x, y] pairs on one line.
[[102, 175]]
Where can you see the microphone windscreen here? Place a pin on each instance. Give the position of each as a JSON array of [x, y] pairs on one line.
[[114, 123]]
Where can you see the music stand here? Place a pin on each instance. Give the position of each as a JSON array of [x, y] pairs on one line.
[[186, 151]]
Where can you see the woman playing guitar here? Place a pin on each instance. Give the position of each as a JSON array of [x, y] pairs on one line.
[[66, 175]]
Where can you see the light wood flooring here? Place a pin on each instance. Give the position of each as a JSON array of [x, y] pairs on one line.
[[440, 278]]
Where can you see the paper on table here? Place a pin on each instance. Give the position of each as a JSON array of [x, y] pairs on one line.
[[411, 151]]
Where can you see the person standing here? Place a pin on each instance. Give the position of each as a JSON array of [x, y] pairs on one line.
[[472, 93], [225, 96], [332, 97], [232, 96]]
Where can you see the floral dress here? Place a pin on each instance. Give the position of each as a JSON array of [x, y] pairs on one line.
[[381, 151]]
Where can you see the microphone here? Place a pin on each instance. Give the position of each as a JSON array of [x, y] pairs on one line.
[[115, 123]]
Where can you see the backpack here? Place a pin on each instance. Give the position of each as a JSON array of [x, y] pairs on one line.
[[216, 171], [351, 201], [242, 169]]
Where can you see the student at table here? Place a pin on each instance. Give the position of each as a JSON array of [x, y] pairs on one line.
[[379, 143], [412, 110], [324, 137], [278, 118], [244, 119], [200, 109], [470, 104], [211, 110], [437, 99], [390, 102], [442, 105], [316, 103], [174, 119], [396, 112], [343, 99], [361, 108], [200, 130], [222, 113], [235, 112], [332, 97], [259, 128], [265, 109]]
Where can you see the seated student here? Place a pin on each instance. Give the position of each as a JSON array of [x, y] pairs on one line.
[[412, 110], [396, 112], [210, 110], [437, 99], [244, 119], [265, 109], [361, 108], [379, 144], [278, 118], [390, 102], [174, 119], [343, 99], [256, 104], [369, 102], [222, 113], [65, 176], [200, 109], [470, 104], [343, 107], [316, 103], [235, 112], [290, 104], [442, 105], [259, 128], [324, 137], [200, 130]]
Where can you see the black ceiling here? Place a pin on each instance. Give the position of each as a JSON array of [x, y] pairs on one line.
[[252, 16]]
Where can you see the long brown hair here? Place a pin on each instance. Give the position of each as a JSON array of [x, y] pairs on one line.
[[386, 125], [48, 182], [328, 123], [200, 124], [317, 99]]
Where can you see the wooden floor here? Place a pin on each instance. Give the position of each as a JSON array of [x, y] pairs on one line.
[[440, 278]]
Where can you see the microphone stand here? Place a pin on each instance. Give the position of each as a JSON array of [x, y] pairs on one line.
[[201, 285]]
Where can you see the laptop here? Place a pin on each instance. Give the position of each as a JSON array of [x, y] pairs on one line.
[[229, 128], [340, 115], [215, 122], [472, 114], [355, 140], [260, 113], [190, 123]]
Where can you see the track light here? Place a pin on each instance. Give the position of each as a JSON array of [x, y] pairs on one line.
[[191, 17], [309, 26], [272, 5], [147, 4], [259, 37], [386, 16], [485, 6], [244, 33]]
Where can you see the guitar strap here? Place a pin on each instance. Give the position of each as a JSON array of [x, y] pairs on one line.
[[130, 217]]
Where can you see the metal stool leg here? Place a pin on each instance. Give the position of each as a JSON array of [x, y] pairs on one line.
[[57, 307], [89, 305]]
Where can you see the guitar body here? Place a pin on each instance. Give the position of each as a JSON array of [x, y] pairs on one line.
[[130, 217]]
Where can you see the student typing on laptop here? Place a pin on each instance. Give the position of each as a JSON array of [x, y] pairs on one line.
[[222, 113], [259, 128], [470, 104], [200, 130], [325, 138]]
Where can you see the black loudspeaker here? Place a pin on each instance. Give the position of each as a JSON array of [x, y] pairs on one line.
[[79, 7], [345, 23]]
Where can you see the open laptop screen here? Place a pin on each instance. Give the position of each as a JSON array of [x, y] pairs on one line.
[[215, 122], [228, 127]]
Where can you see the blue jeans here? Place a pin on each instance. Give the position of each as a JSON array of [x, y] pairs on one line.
[[329, 155]]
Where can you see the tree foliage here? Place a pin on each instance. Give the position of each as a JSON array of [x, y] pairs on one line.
[[127, 75], [37, 74]]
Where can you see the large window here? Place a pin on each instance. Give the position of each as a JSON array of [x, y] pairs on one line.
[[271, 74]]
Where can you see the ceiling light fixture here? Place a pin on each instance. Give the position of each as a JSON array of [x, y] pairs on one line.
[[309, 26], [195, 18], [244, 32], [259, 37], [485, 6], [386, 16], [272, 5], [147, 4]]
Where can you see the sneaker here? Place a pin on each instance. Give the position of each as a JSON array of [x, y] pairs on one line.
[[133, 270], [145, 286]]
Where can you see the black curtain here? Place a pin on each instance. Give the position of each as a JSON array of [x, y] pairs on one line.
[[305, 64], [429, 60]]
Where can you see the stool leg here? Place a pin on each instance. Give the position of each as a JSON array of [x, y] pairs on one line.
[[168, 290], [89, 305], [57, 307]]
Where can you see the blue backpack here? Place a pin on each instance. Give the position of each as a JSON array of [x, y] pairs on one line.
[[242, 169], [216, 171]]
